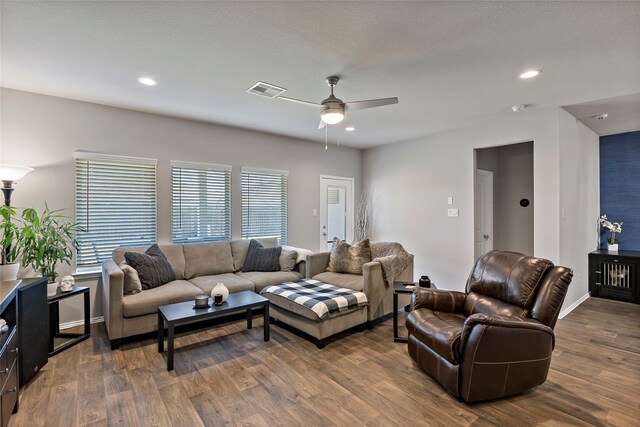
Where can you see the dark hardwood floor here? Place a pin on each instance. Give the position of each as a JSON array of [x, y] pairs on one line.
[[228, 376]]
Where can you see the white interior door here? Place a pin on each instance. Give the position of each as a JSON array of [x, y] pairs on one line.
[[484, 212], [336, 210]]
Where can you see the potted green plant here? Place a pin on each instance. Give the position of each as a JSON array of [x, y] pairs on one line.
[[10, 248], [47, 239]]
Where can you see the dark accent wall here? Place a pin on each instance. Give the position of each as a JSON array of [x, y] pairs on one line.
[[620, 186]]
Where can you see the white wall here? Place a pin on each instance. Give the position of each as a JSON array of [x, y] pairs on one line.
[[580, 200], [43, 132], [410, 183]]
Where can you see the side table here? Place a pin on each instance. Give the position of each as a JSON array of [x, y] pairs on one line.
[[54, 319], [402, 288]]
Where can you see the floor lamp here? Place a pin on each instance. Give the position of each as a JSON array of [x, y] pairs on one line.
[[10, 174]]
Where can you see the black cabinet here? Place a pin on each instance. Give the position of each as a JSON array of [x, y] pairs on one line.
[[8, 351], [614, 275], [33, 321]]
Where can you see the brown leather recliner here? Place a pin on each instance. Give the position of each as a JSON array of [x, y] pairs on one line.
[[495, 339]]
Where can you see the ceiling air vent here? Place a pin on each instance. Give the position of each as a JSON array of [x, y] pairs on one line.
[[265, 89]]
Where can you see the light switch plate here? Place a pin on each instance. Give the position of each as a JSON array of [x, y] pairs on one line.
[[449, 200], [452, 212], [315, 212]]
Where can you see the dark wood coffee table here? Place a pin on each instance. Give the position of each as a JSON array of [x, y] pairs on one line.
[[183, 312]]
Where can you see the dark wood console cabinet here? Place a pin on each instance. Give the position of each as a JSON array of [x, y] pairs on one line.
[[8, 351], [614, 275]]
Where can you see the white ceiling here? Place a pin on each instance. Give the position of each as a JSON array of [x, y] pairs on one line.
[[450, 63], [623, 114]]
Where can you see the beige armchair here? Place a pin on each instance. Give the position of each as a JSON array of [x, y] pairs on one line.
[[371, 282]]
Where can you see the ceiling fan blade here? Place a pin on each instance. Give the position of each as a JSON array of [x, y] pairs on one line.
[[369, 103], [322, 124], [299, 101]]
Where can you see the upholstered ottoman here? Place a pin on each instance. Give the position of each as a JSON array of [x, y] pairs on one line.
[[316, 308]]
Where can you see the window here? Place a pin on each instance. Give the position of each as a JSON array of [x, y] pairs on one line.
[[115, 204], [200, 202], [264, 204]]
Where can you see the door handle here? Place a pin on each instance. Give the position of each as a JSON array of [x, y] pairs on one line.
[[486, 237]]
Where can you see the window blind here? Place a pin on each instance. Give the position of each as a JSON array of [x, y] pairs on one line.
[[264, 204], [200, 202], [115, 204]]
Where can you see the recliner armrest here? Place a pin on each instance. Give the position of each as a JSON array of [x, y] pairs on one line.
[[438, 300], [507, 322], [502, 355]]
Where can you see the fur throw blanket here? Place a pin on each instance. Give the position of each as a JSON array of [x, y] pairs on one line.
[[393, 258]]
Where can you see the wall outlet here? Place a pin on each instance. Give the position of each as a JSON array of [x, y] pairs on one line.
[[452, 212]]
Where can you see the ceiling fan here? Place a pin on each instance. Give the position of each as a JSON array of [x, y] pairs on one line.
[[334, 109]]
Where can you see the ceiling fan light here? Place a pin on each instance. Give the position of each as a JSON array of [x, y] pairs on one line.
[[332, 114], [332, 118]]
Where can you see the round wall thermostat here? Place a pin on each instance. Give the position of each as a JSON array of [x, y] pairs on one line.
[[524, 203]]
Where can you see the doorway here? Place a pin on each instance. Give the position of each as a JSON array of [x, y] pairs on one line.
[[336, 210], [504, 208], [484, 211]]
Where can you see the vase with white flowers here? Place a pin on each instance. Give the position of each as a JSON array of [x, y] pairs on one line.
[[613, 227]]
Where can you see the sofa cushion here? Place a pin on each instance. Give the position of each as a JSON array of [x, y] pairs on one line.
[[233, 282], [288, 259], [260, 258], [302, 253], [346, 258], [262, 279], [152, 266], [239, 250], [131, 283], [148, 301], [351, 281], [174, 255], [202, 259], [439, 330]]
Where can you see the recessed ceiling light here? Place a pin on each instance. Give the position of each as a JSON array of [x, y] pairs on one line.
[[349, 128], [147, 81], [529, 74]]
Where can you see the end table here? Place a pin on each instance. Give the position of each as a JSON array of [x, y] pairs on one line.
[[54, 319]]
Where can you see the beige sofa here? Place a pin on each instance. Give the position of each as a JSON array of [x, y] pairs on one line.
[[371, 282], [198, 268]]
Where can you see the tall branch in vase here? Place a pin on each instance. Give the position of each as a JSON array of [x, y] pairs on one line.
[[363, 216]]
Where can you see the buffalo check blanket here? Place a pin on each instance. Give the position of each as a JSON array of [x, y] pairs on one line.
[[321, 298]]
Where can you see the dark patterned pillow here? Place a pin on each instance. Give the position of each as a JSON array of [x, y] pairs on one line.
[[346, 258], [260, 258], [152, 266]]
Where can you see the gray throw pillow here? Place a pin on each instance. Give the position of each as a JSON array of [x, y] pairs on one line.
[[288, 259], [131, 284], [152, 266], [260, 258], [346, 258]]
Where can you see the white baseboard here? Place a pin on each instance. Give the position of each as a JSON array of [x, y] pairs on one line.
[[573, 306], [77, 323]]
